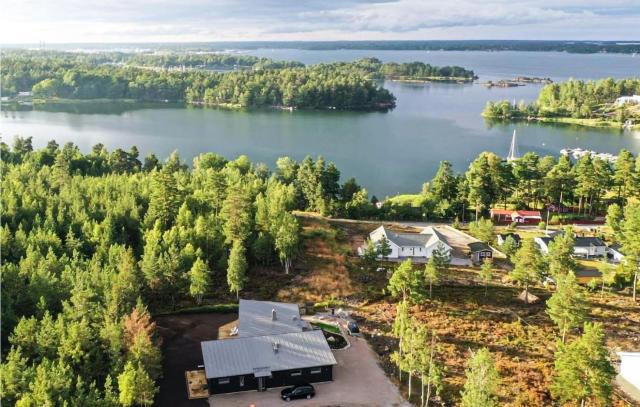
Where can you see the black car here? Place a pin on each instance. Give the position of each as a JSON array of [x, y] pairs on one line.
[[353, 328], [299, 391]]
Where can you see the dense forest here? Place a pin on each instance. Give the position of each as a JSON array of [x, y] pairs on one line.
[[575, 99], [93, 243], [588, 185], [265, 83]]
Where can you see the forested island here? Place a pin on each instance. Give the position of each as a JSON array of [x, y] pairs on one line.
[[250, 82], [588, 103], [578, 47]]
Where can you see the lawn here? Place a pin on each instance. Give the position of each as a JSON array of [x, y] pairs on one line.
[[327, 327]]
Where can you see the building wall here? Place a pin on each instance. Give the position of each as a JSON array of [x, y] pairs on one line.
[[277, 379], [630, 367]]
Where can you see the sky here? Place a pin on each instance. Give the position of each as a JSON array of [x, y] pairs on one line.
[[75, 21]]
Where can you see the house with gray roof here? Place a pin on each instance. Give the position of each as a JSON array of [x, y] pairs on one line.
[[410, 245], [273, 348], [583, 247]]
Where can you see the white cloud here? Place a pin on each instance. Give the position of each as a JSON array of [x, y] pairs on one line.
[[213, 20]]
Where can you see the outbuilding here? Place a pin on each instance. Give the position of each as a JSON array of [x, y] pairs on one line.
[[479, 251]]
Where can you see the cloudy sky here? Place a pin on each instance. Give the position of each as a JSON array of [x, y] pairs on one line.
[[29, 21]]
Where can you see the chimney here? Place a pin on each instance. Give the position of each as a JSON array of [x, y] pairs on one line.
[[273, 314]]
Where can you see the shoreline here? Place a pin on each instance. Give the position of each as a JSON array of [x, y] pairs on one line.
[[593, 123]]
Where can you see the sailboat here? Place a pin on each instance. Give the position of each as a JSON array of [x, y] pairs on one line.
[[513, 150]]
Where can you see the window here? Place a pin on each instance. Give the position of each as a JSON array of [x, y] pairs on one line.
[[241, 381], [223, 380], [296, 373], [317, 370]]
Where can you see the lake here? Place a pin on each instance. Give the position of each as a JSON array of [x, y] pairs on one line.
[[388, 153]]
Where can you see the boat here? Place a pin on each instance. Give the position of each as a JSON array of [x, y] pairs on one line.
[[513, 149]]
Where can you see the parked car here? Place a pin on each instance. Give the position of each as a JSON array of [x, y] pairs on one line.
[[353, 328], [299, 391]]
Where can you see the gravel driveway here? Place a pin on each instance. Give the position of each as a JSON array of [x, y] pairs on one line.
[[358, 381]]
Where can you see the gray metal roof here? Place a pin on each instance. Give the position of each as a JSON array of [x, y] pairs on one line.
[[408, 239], [256, 318], [479, 247], [588, 242], [256, 355]]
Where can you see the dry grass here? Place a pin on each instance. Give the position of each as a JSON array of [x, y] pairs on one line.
[[521, 337]]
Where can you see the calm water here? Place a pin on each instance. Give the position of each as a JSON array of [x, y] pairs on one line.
[[387, 152]]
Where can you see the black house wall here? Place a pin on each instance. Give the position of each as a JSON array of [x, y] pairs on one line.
[[277, 379]]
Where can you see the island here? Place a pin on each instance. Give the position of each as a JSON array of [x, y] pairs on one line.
[[604, 103], [228, 81]]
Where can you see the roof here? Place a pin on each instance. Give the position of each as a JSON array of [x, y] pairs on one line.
[[588, 242], [514, 236], [501, 212], [408, 239], [256, 318], [528, 213], [428, 236], [256, 355], [479, 247], [617, 247]]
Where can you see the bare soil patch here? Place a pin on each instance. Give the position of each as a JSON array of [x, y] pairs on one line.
[[181, 336]]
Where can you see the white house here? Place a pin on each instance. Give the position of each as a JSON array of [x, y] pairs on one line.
[[630, 368], [584, 246], [622, 100], [614, 253], [404, 245]]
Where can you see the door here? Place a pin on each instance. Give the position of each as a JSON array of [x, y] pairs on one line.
[[261, 386]]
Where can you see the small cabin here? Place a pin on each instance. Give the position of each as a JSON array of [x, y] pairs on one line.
[[479, 251]]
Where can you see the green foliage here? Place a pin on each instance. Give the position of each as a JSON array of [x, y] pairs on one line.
[[483, 381], [405, 282], [583, 372], [528, 265], [567, 307], [573, 98], [614, 217], [236, 272], [431, 273], [486, 273], [483, 230], [199, 280]]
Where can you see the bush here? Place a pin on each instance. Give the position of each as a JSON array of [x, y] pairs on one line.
[[555, 220], [542, 225]]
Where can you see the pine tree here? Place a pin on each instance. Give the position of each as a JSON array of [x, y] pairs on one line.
[[560, 257], [431, 274], [486, 274], [237, 269], [199, 279], [384, 248], [441, 256], [400, 324], [567, 307], [528, 266], [404, 281], [164, 200], [287, 240], [483, 381], [628, 237], [583, 371]]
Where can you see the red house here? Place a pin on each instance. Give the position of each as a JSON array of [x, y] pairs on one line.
[[502, 215]]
